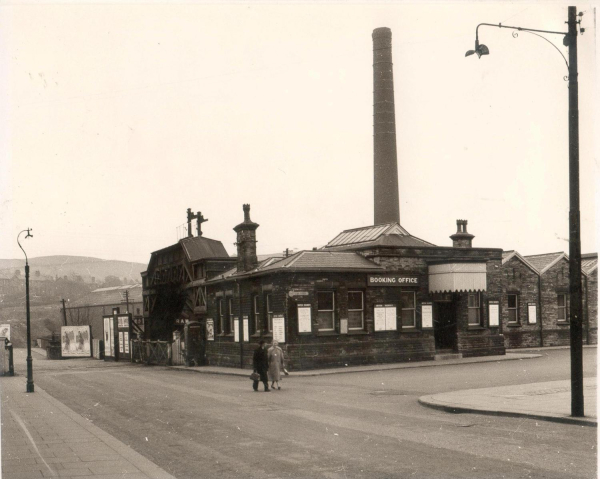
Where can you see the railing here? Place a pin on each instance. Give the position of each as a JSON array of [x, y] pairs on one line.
[[152, 352]]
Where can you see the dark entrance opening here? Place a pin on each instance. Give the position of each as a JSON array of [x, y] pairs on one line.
[[444, 326]]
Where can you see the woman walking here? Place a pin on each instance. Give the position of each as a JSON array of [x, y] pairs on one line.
[[275, 355]]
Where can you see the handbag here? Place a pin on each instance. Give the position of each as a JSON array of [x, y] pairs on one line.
[[254, 376]]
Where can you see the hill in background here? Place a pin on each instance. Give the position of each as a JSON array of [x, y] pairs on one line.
[[90, 270]]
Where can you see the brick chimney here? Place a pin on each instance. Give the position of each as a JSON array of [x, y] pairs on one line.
[[387, 202], [246, 243], [462, 239]]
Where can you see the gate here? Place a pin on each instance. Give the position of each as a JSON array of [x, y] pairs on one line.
[[152, 352]]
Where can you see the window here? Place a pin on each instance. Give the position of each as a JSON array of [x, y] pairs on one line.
[[256, 312], [269, 313], [221, 314], [407, 303], [355, 310], [325, 311], [474, 309], [513, 308], [562, 307], [230, 315]]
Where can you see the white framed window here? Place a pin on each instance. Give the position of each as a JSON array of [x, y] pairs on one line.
[[355, 310], [325, 310], [561, 310], [408, 305], [269, 302], [256, 312], [513, 308], [474, 307]]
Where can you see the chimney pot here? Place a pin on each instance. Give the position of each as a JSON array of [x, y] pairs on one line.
[[462, 239]]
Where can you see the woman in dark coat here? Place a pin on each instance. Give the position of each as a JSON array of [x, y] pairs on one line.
[[261, 366]]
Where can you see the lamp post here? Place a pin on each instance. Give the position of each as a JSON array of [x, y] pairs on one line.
[[30, 388], [569, 40]]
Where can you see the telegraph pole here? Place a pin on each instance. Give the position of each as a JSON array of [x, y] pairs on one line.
[[64, 311], [576, 323]]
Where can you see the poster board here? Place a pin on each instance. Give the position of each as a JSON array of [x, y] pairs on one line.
[[304, 318], [531, 313], [109, 347], [279, 328], [236, 329], [494, 307], [75, 341], [385, 317], [121, 343], [5, 331], [246, 330], [210, 330], [343, 325], [426, 315]]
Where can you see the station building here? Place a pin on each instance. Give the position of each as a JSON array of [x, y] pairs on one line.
[[535, 300]]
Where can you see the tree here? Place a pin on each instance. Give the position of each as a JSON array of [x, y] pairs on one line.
[[111, 280]]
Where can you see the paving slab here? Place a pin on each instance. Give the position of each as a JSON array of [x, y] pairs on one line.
[[41, 437], [547, 401]]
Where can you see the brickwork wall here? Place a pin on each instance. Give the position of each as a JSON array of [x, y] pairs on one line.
[[519, 279], [555, 281], [591, 308]]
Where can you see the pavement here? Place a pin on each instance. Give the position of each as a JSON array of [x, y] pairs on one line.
[[41, 437]]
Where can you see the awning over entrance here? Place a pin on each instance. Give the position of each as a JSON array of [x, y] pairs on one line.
[[455, 277]]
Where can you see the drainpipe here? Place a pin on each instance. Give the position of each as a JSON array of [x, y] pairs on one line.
[[541, 310], [240, 324]]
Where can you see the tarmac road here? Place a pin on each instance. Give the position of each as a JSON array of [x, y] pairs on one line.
[[367, 425]]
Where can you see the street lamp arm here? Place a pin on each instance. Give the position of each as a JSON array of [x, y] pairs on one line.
[[29, 235], [523, 29]]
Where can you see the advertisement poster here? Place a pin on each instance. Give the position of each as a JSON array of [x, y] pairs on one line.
[[385, 318], [532, 313], [391, 323], [304, 319], [210, 330], [494, 314], [279, 329], [126, 341], [427, 315], [5, 331], [379, 318], [121, 349], [246, 330], [108, 335], [75, 341]]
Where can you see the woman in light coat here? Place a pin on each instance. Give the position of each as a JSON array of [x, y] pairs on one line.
[[275, 355]]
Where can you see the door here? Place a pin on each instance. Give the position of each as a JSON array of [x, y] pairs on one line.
[[444, 326]]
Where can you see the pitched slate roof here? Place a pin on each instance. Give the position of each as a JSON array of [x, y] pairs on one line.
[[324, 260], [109, 296], [543, 262], [387, 234], [508, 255], [589, 262], [199, 247]]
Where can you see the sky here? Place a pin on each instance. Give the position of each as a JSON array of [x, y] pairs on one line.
[[115, 118]]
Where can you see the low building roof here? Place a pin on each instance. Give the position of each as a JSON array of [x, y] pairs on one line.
[[109, 296], [589, 262], [543, 262], [508, 255]]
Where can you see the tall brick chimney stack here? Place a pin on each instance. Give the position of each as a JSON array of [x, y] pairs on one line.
[[387, 202], [462, 239], [246, 243]]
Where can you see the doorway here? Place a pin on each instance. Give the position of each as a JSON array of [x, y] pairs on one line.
[[444, 326]]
